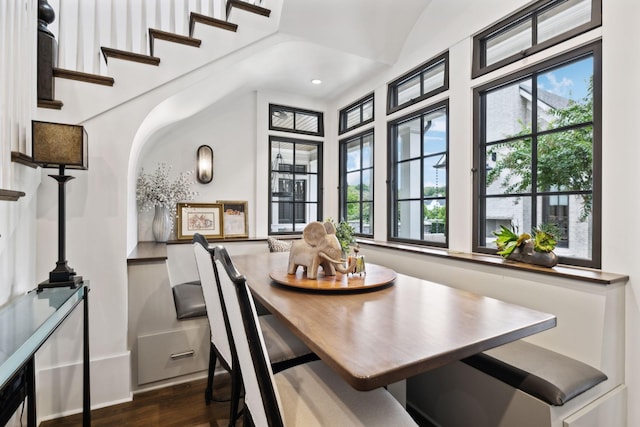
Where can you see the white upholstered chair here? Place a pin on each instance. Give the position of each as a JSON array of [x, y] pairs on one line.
[[284, 348], [306, 395]]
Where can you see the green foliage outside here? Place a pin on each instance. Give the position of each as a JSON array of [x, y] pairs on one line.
[[564, 158]]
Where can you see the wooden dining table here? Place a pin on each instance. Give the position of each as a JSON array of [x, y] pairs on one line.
[[380, 336]]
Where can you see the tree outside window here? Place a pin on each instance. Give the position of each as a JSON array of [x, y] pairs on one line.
[[537, 147]]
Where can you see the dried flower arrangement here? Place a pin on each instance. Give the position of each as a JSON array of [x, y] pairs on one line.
[[156, 189]]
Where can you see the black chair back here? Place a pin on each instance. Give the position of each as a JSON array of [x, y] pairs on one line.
[[261, 398]]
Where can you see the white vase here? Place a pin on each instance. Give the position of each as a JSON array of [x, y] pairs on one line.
[[161, 225]]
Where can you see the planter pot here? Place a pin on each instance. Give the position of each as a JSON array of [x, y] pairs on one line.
[[528, 255], [161, 225]]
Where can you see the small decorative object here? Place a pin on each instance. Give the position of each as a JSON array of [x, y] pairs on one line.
[[235, 218], [277, 245], [319, 247], [202, 218], [535, 248], [344, 233], [161, 225], [205, 164], [157, 190], [359, 260]]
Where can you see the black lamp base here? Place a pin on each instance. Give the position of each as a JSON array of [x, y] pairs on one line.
[[73, 283], [61, 276]]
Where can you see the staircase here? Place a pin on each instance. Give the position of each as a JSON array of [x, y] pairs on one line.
[[167, 56]]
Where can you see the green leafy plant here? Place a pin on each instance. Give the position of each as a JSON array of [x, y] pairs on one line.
[[344, 233], [542, 237]]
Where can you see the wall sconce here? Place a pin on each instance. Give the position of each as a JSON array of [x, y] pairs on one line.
[[204, 172], [55, 145]]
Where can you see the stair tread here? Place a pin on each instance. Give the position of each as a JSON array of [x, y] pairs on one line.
[[84, 77], [50, 103], [171, 37], [129, 56], [214, 22], [247, 7]]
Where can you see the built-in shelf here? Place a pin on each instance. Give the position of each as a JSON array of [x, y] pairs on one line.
[[23, 159], [10, 195]]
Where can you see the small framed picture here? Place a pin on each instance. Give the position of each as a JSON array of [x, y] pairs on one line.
[[235, 219], [203, 218]]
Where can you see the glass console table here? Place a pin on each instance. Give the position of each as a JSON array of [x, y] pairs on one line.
[[25, 324]]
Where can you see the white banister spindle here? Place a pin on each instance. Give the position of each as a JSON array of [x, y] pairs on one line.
[[212, 10], [143, 27], [80, 38], [185, 18], [158, 14], [63, 45], [129, 27], [113, 26], [96, 37], [172, 16]]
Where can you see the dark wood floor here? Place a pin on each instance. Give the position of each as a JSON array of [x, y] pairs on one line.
[[176, 406], [179, 405]]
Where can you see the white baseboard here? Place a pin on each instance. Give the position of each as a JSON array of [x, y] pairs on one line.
[[59, 389]]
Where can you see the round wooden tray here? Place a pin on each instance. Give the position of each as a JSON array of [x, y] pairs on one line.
[[375, 277]]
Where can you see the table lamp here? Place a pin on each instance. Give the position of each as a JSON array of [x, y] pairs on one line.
[[56, 145]]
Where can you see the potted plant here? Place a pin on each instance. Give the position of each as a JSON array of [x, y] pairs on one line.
[[156, 190], [344, 233], [533, 248]]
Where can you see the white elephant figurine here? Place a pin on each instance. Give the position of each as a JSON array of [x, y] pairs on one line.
[[319, 246]]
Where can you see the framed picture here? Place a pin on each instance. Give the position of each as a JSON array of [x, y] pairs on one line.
[[235, 219], [203, 218]]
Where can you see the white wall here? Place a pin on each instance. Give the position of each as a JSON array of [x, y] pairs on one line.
[[453, 23], [229, 129], [102, 227]]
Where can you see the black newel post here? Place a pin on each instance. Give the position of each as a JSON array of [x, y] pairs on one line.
[[47, 51]]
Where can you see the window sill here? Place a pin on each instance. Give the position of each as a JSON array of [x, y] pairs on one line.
[[561, 271]]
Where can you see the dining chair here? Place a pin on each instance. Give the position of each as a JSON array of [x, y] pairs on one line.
[[311, 394], [284, 348]]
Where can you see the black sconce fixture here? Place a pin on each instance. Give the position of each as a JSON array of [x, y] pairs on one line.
[[204, 172], [56, 145]]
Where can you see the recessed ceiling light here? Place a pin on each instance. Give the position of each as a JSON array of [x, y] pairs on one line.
[[316, 81]]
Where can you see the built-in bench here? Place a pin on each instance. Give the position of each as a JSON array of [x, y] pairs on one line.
[[545, 374], [189, 300], [519, 384]]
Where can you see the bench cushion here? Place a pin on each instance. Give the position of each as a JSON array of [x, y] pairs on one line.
[[189, 300], [542, 373]]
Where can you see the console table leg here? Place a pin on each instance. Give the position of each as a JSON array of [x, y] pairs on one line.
[[86, 383], [31, 393]]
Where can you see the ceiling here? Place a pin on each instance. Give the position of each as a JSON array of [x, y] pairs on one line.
[[341, 42]]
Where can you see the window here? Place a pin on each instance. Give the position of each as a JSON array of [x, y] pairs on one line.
[[537, 154], [543, 24], [357, 114], [419, 146], [296, 120], [426, 80], [295, 196], [356, 182]]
